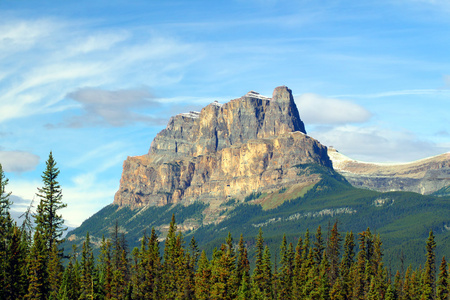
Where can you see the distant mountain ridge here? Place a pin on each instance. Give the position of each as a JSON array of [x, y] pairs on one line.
[[426, 176]]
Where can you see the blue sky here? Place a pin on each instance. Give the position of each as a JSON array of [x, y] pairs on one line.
[[95, 81]]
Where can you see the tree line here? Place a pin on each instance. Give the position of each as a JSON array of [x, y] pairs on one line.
[[317, 267]]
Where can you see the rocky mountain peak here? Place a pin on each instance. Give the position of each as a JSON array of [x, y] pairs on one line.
[[248, 144]]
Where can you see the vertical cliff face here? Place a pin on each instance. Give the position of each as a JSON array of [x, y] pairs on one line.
[[229, 150]]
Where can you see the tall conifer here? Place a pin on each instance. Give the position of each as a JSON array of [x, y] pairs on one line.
[[48, 221], [442, 286], [429, 273]]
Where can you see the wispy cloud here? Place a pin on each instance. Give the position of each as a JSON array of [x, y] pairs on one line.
[[399, 93], [316, 109], [52, 57], [18, 161]]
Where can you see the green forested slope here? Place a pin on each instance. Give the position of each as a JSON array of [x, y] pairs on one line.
[[402, 219]]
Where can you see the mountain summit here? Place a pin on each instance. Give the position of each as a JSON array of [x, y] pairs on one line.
[[226, 151]]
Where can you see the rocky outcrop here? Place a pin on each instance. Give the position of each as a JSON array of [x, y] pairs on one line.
[[424, 176], [229, 150]]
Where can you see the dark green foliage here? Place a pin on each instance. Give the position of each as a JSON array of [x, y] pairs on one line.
[[429, 273], [442, 285], [252, 196], [47, 219], [87, 270]]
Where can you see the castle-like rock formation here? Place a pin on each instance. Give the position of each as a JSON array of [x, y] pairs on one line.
[[250, 144]]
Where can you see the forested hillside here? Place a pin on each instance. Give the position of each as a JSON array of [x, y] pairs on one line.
[[402, 219]]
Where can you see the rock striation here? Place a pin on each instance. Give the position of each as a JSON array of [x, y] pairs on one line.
[[249, 144]]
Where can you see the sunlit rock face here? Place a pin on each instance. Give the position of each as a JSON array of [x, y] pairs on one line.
[[225, 151]]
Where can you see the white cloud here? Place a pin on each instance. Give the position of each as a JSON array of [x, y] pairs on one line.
[[18, 161], [316, 109], [377, 144]]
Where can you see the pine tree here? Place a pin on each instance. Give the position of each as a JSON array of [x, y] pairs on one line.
[[258, 276], [318, 246], [285, 275], [55, 272], [6, 225], [15, 267], [5, 202], [105, 268], [337, 292], [70, 284], [174, 263], [191, 263], [323, 289], [296, 280], [244, 292], [47, 219], [87, 270], [242, 265], [429, 273], [398, 285], [267, 271], [346, 264], [153, 268], [333, 248], [37, 269], [203, 278], [390, 293], [442, 286]]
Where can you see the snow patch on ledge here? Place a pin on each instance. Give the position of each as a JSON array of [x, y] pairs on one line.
[[191, 114], [253, 94], [216, 103]]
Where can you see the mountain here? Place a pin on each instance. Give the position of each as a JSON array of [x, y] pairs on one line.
[[249, 164], [227, 151], [425, 176]]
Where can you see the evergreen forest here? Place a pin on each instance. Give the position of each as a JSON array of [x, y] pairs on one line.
[[318, 266]]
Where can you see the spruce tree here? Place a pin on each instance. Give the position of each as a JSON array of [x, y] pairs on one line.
[[258, 276], [318, 246], [15, 268], [242, 265], [203, 278], [48, 221], [6, 230], [296, 280], [37, 269], [268, 275], [285, 275], [55, 272], [70, 284], [429, 273], [442, 286], [333, 248], [174, 263], [87, 270], [105, 268], [347, 263]]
